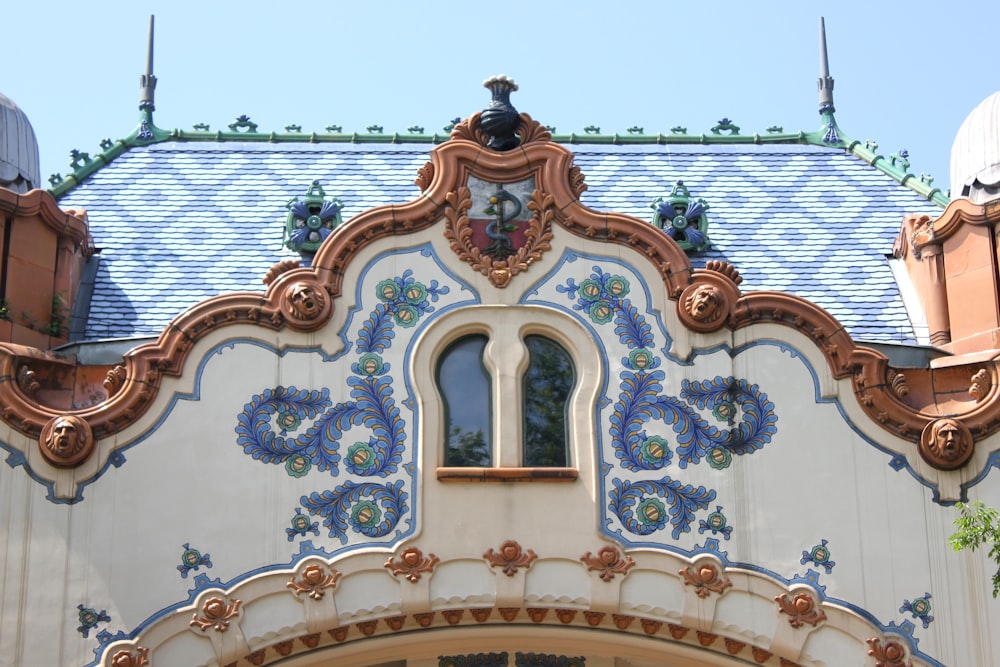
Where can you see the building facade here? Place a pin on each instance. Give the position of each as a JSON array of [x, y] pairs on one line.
[[496, 418]]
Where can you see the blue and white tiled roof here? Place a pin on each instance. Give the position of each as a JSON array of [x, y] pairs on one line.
[[179, 222]]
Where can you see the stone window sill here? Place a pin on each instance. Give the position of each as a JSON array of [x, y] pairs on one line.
[[451, 475]]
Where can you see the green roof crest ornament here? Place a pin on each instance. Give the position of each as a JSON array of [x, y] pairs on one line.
[[80, 159], [726, 124], [245, 123], [311, 220], [900, 159], [682, 218]]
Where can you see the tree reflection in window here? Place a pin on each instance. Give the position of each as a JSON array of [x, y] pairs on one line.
[[465, 387], [547, 385]]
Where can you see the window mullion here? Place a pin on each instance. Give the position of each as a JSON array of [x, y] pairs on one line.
[[507, 359]]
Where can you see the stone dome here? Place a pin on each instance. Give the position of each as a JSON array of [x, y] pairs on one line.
[[975, 155], [19, 170]]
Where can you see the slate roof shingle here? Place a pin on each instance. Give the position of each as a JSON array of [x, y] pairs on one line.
[[178, 222]]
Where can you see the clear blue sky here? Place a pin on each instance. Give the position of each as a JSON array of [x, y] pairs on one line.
[[906, 74]]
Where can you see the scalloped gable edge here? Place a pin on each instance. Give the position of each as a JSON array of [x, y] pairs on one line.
[[145, 366]]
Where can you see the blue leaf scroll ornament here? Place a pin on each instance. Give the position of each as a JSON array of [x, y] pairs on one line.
[[367, 508], [639, 507]]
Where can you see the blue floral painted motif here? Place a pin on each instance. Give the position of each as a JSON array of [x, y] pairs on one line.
[[300, 525], [375, 516], [192, 559], [256, 435], [89, 618], [819, 555], [920, 608], [602, 296], [640, 402], [402, 302], [650, 514], [716, 523]]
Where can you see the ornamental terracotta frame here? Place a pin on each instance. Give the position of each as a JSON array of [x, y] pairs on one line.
[[67, 223], [339, 634], [451, 163]]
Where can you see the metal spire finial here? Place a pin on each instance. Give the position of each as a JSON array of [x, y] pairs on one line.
[[825, 81], [147, 82]]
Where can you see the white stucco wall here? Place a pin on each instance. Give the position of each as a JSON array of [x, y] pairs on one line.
[[824, 474]]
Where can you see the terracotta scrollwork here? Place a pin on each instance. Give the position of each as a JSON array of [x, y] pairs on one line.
[[126, 658], [946, 444], [66, 441], [510, 557], [314, 580], [609, 562], [411, 564], [216, 613], [890, 654], [114, 380], [537, 237], [801, 609], [706, 579], [27, 380], [981, 383]]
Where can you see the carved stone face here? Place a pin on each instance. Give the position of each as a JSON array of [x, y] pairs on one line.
[[63, 440], [305, 300], [705, 303], [947, 440], [946, 444]]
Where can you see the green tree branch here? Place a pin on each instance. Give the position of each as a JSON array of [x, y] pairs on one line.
[[978, 526]]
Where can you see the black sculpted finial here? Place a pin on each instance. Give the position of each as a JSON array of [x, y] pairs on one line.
[[500, 119]]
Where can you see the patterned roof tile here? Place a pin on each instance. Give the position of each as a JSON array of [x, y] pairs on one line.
[[178, 222]]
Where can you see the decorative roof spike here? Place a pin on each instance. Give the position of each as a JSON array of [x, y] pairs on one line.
[[500, 119], [825, 81], [147, 82], [682, 218], [311, 220]]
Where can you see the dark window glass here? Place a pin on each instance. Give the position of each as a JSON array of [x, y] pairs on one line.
[[465, 387], [548, 383]]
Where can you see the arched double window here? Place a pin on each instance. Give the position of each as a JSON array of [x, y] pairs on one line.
[[466, 387], [466, 390], [503, 395]]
